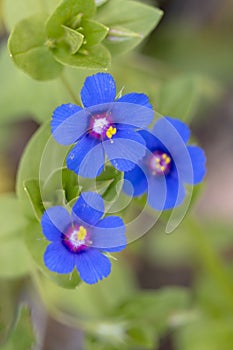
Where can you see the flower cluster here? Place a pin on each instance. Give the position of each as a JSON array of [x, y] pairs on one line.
[[157, 162]]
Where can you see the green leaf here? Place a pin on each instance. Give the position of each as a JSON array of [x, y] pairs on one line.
[[68, 14], [97, 57], [29, 93], [61, 187], [114, 187], [133, 16], [32, 188], [22, 336], [28, 49], [14, 257], [15, 11], [74, 39], [94, 32], [179, 97], [42, 156]]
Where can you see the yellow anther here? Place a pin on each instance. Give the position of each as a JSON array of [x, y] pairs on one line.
[[110, 132], [82, 232], [162, 167]]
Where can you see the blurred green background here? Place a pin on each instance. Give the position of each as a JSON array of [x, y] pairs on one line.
[[167, 291]]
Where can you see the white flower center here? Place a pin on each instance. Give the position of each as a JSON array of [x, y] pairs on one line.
[[99, 125]]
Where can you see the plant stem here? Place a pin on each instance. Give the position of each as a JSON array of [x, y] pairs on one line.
[[69, 89]]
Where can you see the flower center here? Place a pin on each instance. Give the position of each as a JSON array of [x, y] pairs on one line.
[[76, 238], [101, 126], [159, 163]]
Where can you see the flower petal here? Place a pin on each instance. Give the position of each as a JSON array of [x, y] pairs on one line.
[[69, 123], [165, 192], [138, 181], [55, 221], [181, 127], [125, 149], [135, 115], [98, 88], [198, 160], [152, 143], [92, 265], [109, 234], [171, 132], [136, 98], [61, 113], [58, 259], [89, 208], [87, 157]]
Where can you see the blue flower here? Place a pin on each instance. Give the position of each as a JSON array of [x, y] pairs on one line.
[[103, 126], [168, 164], [80, 239]]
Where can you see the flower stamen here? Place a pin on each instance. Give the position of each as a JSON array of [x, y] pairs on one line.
[[160, 163], [82, 233], [110, 132]]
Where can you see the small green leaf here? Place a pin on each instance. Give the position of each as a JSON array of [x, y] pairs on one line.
[[94, 32], [32, 188], [61, 187], [42, 156], [22, 336], [28, 49], [97, 57], [113, 190], [68, 14], [135, 17], [74, 39]]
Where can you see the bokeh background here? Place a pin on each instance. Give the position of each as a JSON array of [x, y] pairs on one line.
[[186, 67]]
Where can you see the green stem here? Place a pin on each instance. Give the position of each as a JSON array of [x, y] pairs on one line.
[[212, 262], [69, 89]]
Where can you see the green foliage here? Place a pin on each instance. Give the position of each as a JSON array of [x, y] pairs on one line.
[[28, 49], [14, 258], [206, 334], [129, 23], [69, 13], [42, 157], [41, 44], [22, 336], [96, 57]]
